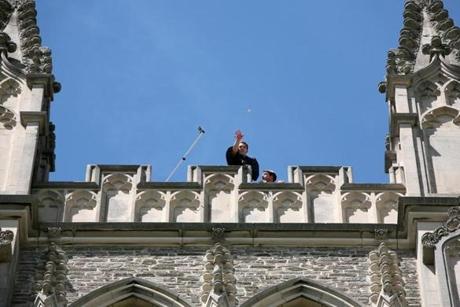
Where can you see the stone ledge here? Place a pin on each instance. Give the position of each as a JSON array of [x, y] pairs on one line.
[[66, 185], [373, 187], [271, 186]]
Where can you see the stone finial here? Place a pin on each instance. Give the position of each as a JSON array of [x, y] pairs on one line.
[[436, 48], [381, 234], [387, 286], [218, 234], [54, 233], [6, 239], [51, 284], [218, 287], [430, 239]]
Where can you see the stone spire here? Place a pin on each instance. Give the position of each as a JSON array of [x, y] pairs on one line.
[[423, 93], [427, 31], [27, 86]]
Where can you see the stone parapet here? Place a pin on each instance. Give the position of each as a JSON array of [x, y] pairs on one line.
[[216, 194]]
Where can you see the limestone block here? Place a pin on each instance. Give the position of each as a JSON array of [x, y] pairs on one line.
[[356, 207], [151, 207], [80, 206], [288, 208], [321, 198], [253, 207], [186, 207], [220, 197]]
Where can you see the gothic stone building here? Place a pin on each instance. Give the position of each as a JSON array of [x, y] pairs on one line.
[[217, 239]]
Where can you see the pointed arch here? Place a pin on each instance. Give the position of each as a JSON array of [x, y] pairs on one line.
[[299, 288], [130, 289]]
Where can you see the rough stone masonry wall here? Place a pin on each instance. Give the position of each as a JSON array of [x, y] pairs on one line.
[[180, 269]]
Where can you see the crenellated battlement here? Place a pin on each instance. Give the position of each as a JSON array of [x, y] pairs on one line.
[[216, 194]]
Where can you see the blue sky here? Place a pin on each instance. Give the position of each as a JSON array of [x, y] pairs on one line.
[[299, 78]]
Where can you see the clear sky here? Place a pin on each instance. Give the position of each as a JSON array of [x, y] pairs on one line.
[[298, 77]]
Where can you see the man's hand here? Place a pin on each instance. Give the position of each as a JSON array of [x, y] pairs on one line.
[[238, 135]]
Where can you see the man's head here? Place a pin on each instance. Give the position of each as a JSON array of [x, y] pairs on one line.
[[243, 148], [269, 176]]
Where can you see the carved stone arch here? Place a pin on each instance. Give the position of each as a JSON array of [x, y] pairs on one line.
[[128, 292], [302, 291], [435, 118], [185, 206], [318, 183], [452, 90], [387, 207], [220, 197], [355, 207], [7, 118], [117, 181], [50, 206], [220, 181], [253, 207], [321, 203], [427, 93], [118, 201], [427, 88], [80, 206], [447, 263], [150, 206], [442, 248], [287, 207]]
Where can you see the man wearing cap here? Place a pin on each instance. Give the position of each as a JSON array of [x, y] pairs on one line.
[[238, 155], [268, 176]]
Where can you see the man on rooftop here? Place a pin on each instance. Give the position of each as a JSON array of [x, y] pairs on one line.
[[238, 155]]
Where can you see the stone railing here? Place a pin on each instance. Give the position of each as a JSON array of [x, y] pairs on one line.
[[217, 194]]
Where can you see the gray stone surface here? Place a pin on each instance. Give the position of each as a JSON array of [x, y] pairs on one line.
[[180, 269]]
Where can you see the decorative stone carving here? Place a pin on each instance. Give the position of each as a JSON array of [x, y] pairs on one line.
[[430, 239], [6, 239], [6, 45], [428, 89], [219, 191], [36, 58], [50, 206], [150, 207], [218, 280], [253, 207], [5, 12], [387, 207], [436, 48], [218, 234], [321, 200], [355, 207], [54, 233], [387, 285], [9, 87], [118, 201], [452, 91], [287, 207], [381, 234], [7, 118], [436, 117], [80, 206], [402, 59], [186, 206], [50, 285], [320, 183]]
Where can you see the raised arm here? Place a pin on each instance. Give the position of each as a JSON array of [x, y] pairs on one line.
[[238, 137]]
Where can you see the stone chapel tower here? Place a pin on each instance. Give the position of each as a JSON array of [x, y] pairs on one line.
[[217, 239], [423, 94], [26, 91]]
